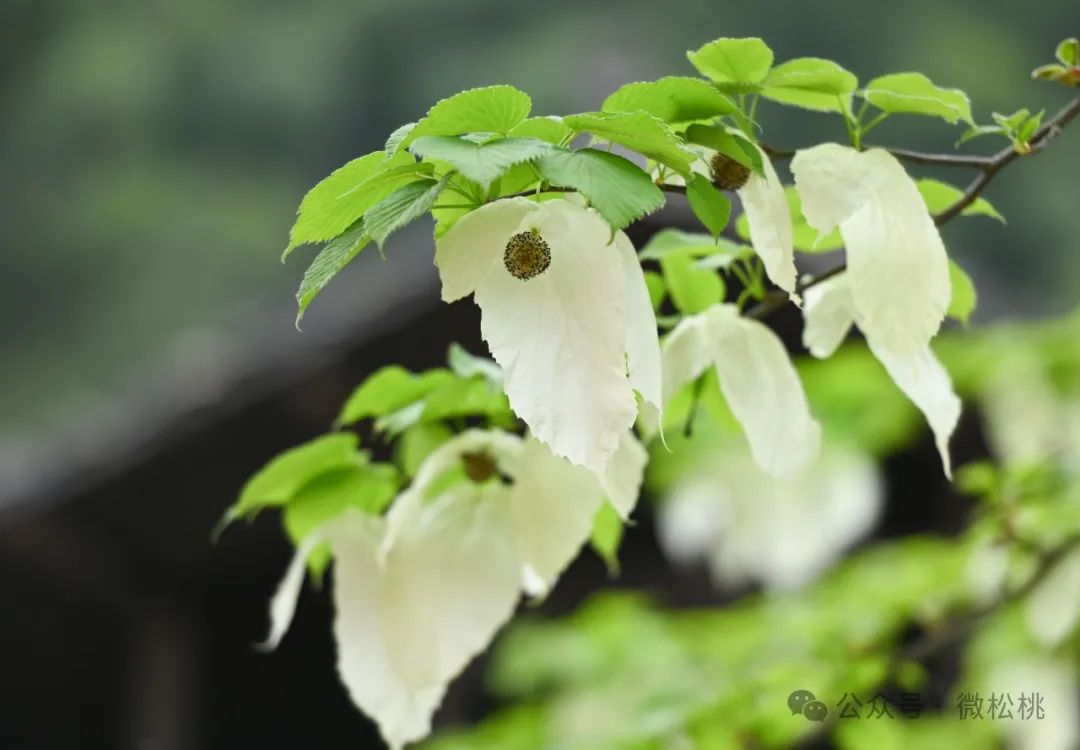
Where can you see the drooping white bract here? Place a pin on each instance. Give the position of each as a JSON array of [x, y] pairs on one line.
[[829, 313], [897, 266], [1053, 609], [749, 526], [422, 591], [769, 216], [757, 379], [576, 339]]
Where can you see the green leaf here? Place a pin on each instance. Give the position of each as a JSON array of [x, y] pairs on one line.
[[279, 481], [616, 187], [493, 109], [811, 83], [366, 487], [338, 201], [607, 535], [710, 205], [389, 389], [1066, 76], [657, 290], [695, 244], [483, 163], [330, 261], [417, 443], [395, 139], [964, 296], [402, 207], [692, 289], [637, 131], [939, 196], [548, 128], [731, 143], [674, 100], [1068, 52], [736, 65], [465, 364], [914, 93], [464, 397], [369, 488]]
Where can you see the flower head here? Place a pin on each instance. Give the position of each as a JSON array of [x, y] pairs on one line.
[[422, 591], [566, 314]]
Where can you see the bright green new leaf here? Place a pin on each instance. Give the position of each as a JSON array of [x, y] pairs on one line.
[[465, 397], [692, 289], [369, 488], [402, 207], [811, 83], [674, 100], [279, 481], [939, 196], [466, 364], [492, 109], [483, 163], [736, 65], [964, 296], [914, 93], [637, 131], [330, 261], [1068, 52], [393, 142], [731, 143], [616, 187], [607, 535], [549, 128], [417, 443], [657, 290], [389, 389], [697, 245], [338, 201], [708, 203]]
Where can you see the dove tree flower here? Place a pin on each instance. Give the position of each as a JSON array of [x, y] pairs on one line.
[[749, 526], [757, 379], [896, 287], [421, 591], [566, 314]]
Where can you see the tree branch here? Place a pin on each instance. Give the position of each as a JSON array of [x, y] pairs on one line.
[[988, 169]]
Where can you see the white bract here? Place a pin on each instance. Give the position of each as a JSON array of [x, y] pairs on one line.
[[898, 269], [422, 591], [896, 287], [574, 340], [1053, 609], [769, 218], [757, 379], [829, 313], [749, 526]]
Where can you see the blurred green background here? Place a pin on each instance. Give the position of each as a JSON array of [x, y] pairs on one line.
[[152, 153]]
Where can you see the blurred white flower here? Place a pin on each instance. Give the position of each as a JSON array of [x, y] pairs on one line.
[[566, 314], [422, 591], [1054, 684], [1053, 609], [829, 313], [749, 526], [757, 379]]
